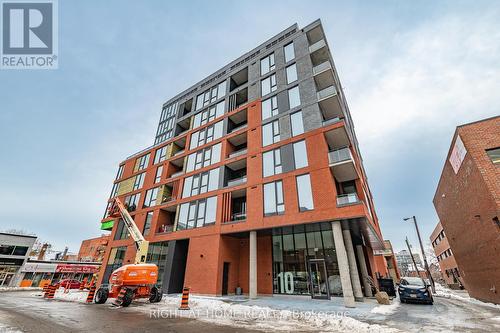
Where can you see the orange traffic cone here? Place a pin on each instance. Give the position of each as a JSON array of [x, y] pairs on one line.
[[185, 299]]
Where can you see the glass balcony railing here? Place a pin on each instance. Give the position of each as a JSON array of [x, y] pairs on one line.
[[327, 92], [237, 181], [176, 174], [238, 153], [316, 46], [340, 155], [346, 199], [238, 216], [322, 67]]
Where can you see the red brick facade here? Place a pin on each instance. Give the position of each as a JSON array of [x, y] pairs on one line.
[[468, 207]]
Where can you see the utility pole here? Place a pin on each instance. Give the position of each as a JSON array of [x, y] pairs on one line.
[[411, 255], [423, 253]]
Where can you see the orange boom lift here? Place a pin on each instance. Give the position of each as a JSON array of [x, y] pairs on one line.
[[137, 280]]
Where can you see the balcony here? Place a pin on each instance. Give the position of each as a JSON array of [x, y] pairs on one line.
[[323, 75], [237, 121], [235, 173], [317, 46], [336, 138], [342, 164], [238, 209], [238, 153], [238, 99], [237, 181], [347, 199], [329, 103], [166, 218], [239, 79]]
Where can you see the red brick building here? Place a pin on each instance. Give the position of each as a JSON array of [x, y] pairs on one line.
[[255, 181], [93, 249], [467, 201], [446, 260]]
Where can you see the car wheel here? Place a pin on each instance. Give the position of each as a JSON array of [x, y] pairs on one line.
[[101, 296], [127, 298]]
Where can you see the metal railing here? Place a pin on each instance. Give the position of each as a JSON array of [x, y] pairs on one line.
[[237, 181], [238, 153], [340, 155], [176, 174], [327, 92], [346, 199], [238, 216]]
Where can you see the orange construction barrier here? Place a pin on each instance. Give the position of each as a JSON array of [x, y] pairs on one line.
[[185, 299], [90, 296], [119, 299], [82, 284], [51, 292]]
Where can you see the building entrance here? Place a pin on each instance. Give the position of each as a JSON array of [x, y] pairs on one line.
[[318, 279]]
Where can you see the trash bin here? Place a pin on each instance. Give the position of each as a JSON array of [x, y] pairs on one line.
[[387, 285]]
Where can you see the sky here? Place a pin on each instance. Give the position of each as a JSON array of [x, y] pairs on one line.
[[411, 70]]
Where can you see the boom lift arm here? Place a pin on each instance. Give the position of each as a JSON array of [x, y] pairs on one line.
[[118, 209]]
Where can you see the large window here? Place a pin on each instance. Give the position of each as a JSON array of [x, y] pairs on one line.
[[293, 97], [208, 115], [167, 123], [206, 135], [300, 154], [160, 155], [297, 123], [121, 230], [132, 201], [201, 183], [269, 107], [159, 171], [139, 181], [273, 198], [147, 223], [304, 192], [289, 52], [293, 248], [270, 133], [197, 214], [267, 64], [119, 174], [142, 162], [211, 95], [157, 254], [291, 73], [114, 190], [150, 198], [203, 158], [268, 85], [271, 163], [494, 155]]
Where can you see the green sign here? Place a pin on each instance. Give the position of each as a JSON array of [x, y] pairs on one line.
[[107, 225]]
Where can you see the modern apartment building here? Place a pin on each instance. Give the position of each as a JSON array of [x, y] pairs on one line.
[[14, 250], [467, 201], [255, 180], [447, 263]]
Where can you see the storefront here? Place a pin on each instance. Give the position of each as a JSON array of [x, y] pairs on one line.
[[305, 261], [38, 273]]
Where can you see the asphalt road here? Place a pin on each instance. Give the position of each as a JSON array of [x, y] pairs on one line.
[[21, 311]]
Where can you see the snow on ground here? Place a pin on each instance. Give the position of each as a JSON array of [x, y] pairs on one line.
[[387, 309], [73, 295], [219, 311], [461, 295]]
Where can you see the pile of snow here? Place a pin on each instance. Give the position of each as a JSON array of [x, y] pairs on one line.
[[72, 295], [264, 318], [442, 291], [387, 309], [19, 288]]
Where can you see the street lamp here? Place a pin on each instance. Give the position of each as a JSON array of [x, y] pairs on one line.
[[423, 252]]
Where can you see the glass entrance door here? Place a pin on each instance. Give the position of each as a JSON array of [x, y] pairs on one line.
[[318, 279]]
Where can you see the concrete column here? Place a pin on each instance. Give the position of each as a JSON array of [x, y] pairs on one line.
[[343, 262], [353, 268], [364, 270], [252, 281]]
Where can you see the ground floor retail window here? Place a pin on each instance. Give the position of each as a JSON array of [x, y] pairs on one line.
[[294, 249], [7, 275], [157, 254]]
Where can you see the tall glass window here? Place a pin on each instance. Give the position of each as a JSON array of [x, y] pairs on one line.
[[203, 158], [291, 73], [209, 114], [268, 85], [304, 192], [271, 163], [289, 52], [270, 133], [293, 97], [150, 199], [201, 183], [159, 171], [142, 162], [197, 214], [273, 198], [269, 107], [157, 254], [119, 174], [147, 223], [139, 181], [300, 154], [297, 123], [160, 155], [267, 64]]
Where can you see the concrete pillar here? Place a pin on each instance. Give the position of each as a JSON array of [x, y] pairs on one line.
[[364, 270], [353, 268], [343, 262], [252, 281]]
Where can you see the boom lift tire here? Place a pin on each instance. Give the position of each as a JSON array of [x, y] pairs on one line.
[[128, 297], [101, 296], [155, 295]]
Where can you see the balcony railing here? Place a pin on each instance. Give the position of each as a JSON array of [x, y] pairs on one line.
[[331, 121], [238, 216], [322, 67], [239, 127], [166, 228], [238, 153], [316, 46], [347, 199], [178, 152], [237, 181], [176, 174], [327, 92], [340, 155]]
